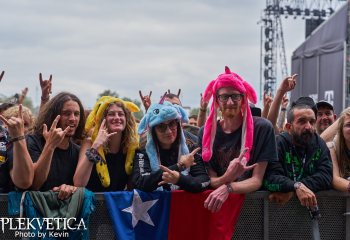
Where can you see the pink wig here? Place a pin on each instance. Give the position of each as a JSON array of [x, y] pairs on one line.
[[228, 79]]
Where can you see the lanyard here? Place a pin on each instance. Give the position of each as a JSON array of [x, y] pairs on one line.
[[297, 178]]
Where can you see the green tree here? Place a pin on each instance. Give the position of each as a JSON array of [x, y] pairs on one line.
[[108, 93]]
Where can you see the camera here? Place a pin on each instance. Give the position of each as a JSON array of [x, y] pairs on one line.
[[314, 212]]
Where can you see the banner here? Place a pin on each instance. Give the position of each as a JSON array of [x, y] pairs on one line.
[[171, 215]]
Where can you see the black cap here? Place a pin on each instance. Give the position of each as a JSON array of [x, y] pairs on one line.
[[308, 101], [324, 103], [255, 110]]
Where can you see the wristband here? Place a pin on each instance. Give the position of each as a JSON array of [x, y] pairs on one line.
[[92, 155], [283, 109], [229, 188], [203, 109], [15, 139]]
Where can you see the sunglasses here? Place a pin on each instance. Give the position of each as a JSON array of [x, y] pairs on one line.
[[162, 127], [234, 97]]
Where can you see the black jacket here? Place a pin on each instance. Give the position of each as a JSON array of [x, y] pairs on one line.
[[315, 172], [145, 179]]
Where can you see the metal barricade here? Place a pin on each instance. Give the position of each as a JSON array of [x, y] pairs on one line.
[[259, 219]]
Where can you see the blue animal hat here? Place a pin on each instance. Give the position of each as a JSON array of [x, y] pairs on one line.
[[156, 114]]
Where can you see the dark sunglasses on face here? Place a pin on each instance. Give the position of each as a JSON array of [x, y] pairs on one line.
[[234, 97], [172, 125]]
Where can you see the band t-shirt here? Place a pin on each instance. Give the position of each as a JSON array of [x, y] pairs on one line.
[[63, 163], [117, 174], [5, 183], [227, 146]]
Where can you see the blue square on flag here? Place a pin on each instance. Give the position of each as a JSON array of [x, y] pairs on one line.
[[139, 215]]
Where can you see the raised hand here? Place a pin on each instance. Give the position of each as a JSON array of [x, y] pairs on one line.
[[55, 135], [237, 167], [285, 101], [102, 136], [64, 191], [288, 84], [169, 176], [188, 159], [146, 100], [15, 125], [1, 75], [267, 99], [23, 95], [45, 86], [203, 105]]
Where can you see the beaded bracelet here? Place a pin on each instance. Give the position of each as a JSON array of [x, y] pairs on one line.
[[15, 139]]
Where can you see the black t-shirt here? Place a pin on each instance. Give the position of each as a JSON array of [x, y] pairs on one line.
[[5, 180], [63, 163], [117, 174], [227, 146]]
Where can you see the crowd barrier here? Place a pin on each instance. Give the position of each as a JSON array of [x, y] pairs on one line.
[[259, 218]]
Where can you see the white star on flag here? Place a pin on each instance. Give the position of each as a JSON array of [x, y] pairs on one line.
[[139, 210]]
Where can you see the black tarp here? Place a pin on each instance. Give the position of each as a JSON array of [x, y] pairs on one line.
[[320, 62]]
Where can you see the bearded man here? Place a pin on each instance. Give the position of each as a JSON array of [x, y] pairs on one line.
[[304, 165]]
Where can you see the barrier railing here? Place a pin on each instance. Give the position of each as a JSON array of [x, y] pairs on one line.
[[259, 218]]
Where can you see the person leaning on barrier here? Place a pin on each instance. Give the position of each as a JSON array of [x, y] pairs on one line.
[[107, 154], [340, 153], [52, 150], [166, 163], [15, 161], [223, 141], [304, 164]]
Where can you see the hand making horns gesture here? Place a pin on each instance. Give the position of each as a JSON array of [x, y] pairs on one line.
[[102, 136], [15, 125], [188, 159], [45, 86], [55, 135], [237, 167], [146, 100]]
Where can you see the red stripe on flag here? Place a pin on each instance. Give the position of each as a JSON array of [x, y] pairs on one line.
[[190, 220]]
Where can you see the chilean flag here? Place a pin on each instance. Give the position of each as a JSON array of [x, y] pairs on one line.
[[171, 215]]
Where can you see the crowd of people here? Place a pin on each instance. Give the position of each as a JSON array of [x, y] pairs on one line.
[[233, 147]]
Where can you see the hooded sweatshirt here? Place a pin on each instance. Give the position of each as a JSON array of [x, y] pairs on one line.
[[310, 164]]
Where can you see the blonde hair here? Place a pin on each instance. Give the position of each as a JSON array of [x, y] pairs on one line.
[[13, 112], [340, 146]]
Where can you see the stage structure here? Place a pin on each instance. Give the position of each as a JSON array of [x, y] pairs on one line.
[[322, 62], [272, 54]]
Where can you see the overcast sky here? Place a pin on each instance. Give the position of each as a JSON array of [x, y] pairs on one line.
[[125, 46]]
